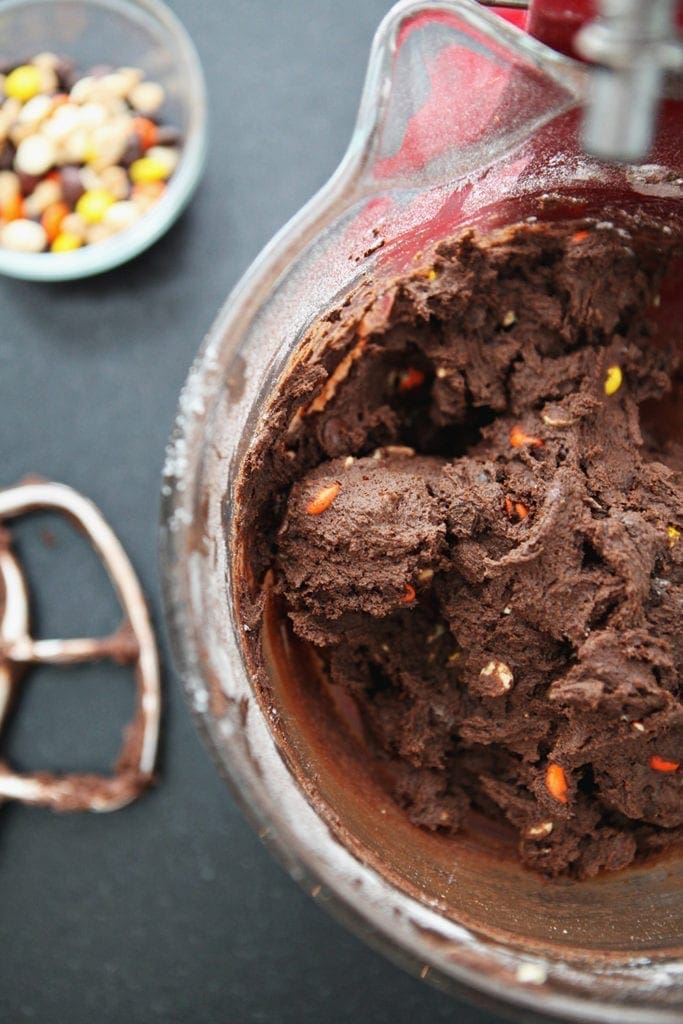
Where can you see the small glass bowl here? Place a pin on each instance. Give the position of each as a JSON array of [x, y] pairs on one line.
[[133, 33]]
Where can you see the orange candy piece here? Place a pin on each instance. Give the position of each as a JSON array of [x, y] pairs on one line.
[[13, 209], [52, 219], [409, 594], [412, 378], [519, 438], [515, 508], [146, 131], [556, 782], [659, 764], [323, 499], [580, 236]]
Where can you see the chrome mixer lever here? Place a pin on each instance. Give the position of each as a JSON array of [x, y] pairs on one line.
[[633, 44]]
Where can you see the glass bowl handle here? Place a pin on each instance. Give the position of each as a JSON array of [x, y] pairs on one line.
[[451, 88]]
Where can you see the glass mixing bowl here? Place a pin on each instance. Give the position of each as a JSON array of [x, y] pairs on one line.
[[130, 33], [464, 120]]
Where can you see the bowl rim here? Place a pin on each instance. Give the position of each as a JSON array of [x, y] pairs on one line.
[[113, 252]]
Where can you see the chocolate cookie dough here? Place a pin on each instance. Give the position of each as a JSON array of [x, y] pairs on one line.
[[469, 500]]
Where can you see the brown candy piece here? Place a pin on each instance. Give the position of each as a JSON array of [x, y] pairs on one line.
[[72, 186]]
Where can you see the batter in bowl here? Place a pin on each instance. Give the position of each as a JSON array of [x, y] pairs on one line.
[[462, 503]]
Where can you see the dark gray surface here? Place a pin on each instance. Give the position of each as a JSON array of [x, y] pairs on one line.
[[171, 910]]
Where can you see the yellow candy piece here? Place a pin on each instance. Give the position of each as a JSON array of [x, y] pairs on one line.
[[674, 535], [66, 242], [147, 170], [23, 83], [93, 205], [613, 379], [89, 153]]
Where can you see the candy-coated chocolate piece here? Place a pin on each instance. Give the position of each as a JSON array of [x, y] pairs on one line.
[[66, 241], [23, 236], [74, 225], [9, 186], [146, 131], [147, 169], [13, 207], [168, 155], [613, 379], [121, 215], [35, 155], [53, 218], [93, 205], [147, 97], [23, 83]]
